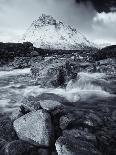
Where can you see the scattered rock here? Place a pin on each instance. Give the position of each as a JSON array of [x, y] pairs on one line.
[[17, 147], [9, 51], [35, 127], [50, 104]]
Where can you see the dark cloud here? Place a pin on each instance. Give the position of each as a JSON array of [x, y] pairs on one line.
[[101, 5]]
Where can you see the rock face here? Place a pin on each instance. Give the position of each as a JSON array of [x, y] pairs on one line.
[[48, 33], [35, 127]]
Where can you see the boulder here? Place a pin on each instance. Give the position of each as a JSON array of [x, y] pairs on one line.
[[80, 133], [66, 120], [30, 103], [92, 120], [106, 139], [7, 131], [35, 127], [17, 147], [16, 114], [2, 143], [71, 146], [52, 96], [50, 104], [61, 69]]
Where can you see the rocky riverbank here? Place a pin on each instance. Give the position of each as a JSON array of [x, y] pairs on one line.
[[68, 108], [54, 126]]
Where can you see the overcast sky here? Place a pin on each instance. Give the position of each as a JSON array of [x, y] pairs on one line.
[[98, 26]]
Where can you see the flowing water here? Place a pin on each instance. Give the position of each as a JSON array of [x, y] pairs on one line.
[[17, 84]]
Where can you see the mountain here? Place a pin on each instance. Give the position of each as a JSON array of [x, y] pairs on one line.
[[48, 33]]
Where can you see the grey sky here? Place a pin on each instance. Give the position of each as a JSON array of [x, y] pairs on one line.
[[17, 15]]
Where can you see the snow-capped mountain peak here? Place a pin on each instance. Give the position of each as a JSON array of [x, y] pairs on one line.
[[48, 33], [45, 20]]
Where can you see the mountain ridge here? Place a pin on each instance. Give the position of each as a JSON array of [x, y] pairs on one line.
[[48, 33]]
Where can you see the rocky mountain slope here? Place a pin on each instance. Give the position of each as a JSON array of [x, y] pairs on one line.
[[48, 33]]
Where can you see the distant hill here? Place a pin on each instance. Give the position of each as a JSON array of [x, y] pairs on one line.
[[104, 53]]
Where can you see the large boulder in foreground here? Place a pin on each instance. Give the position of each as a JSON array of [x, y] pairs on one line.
[[35, 127]]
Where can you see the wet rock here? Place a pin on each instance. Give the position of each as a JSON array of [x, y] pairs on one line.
[[54, 153], [30, 103], [16, 114], [43, 151], [35, 127], [17, 147], [106, 140], [50, 104], [66, 121], [92, 120], [52, 96], [2, 143], [61, 77], [80, 133], [107, 66], [72, 146], [9, 51], [56, 114], [61, 69], [7, 131]]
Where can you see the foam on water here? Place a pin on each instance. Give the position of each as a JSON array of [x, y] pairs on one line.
[[14, 72], [80, 89]]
